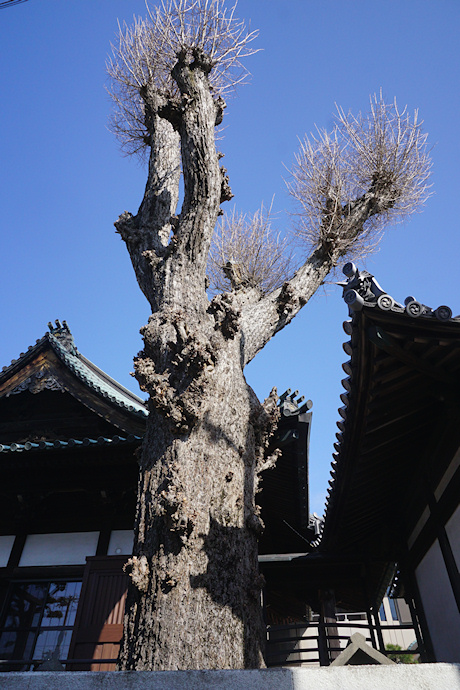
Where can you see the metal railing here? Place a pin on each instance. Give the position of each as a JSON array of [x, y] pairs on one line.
[[319, 643]]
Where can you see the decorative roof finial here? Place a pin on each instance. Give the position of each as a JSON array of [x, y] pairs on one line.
[[362, 290], [289, 407], [61, 331]]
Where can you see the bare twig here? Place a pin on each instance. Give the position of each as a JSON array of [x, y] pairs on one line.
[[147, 51], [372, 170], [247, 252]]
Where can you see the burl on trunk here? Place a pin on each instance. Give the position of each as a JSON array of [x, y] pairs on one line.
[[194, 599]]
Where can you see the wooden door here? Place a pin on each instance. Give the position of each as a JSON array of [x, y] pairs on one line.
[[99, 623]]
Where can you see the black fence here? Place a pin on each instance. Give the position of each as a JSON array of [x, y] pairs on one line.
[[319, 643], [304, 643]]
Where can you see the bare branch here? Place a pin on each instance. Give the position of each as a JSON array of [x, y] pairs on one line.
[[247, 252], [201, 31], [372, 170]]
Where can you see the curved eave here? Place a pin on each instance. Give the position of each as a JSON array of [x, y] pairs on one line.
[[34, 446], [403, 375], [353, 401]]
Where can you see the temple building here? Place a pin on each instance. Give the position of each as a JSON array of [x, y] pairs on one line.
[[68, 433], [393, 503], [68, 440]]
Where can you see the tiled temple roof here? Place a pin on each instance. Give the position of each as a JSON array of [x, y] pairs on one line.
[[422, 328], [362, 290], [61, 341]]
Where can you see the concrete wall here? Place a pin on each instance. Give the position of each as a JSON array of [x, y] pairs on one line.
[[396, 677]]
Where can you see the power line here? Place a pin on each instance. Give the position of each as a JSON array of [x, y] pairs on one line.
[[10, 3]]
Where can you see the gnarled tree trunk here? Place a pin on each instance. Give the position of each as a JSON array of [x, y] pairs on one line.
[[194, 601]]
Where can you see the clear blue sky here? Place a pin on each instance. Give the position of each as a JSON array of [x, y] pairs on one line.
[[64, 182]]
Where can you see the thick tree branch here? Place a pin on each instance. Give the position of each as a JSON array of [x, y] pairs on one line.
[[162, 188], [147, 234], [260, 321], [202, 178]]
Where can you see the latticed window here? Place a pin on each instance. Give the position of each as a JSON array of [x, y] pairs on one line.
[[37, 623]]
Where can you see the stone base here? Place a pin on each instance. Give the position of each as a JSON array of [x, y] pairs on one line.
[[396, 677]]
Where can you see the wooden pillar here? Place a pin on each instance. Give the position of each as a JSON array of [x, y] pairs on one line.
[[369, 608], [378, 629], [322, 642], [328, 617]]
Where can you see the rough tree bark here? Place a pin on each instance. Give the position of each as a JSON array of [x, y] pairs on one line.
[[194, 598], [194, 601]]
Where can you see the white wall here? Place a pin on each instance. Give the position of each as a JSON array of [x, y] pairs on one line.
[[439, 605], [6, 544], [68, 548], [121, 542]]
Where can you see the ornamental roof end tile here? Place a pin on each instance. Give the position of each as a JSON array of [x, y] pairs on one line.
[[362, 290], [68, 443]]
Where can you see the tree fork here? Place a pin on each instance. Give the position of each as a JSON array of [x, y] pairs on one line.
[[194, 601], [194, 598]]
